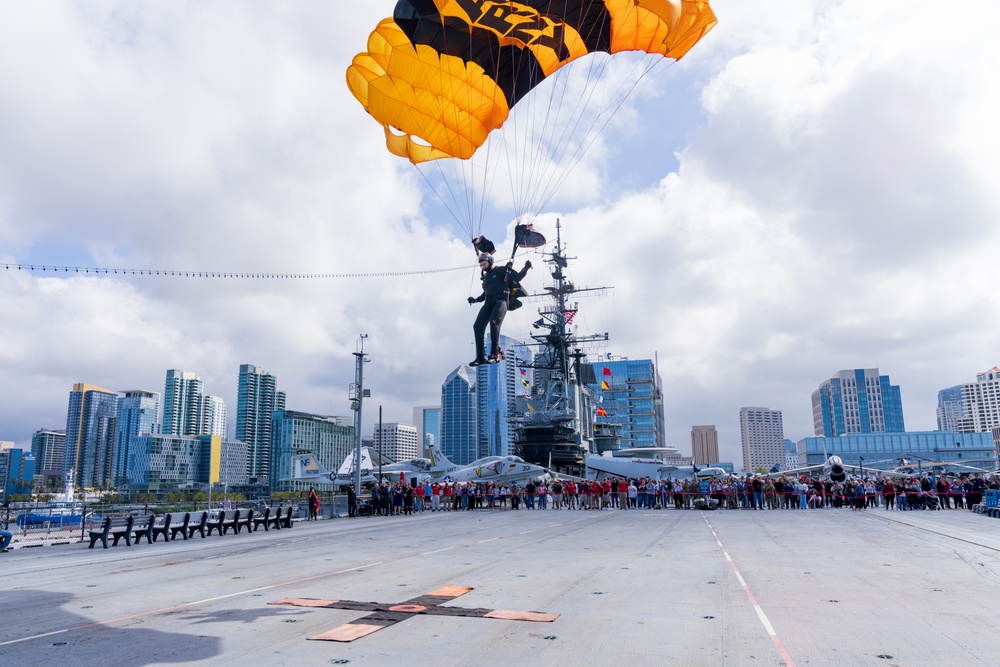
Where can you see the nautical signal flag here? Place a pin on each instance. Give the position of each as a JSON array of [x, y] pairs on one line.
[[605, 385], [569, 315], [525, 383], [523, 372], [607, 371], [601, 412]]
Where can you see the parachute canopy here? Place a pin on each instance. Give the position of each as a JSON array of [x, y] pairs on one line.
[[441, 75]]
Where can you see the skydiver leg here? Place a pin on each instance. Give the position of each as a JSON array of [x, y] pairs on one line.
[[496, 321], [479, 329]]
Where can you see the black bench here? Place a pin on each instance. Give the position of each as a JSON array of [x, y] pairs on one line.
[[158, 529], [139, 530], [265, 520], [217, 524], [182, 528], [198, 527], [114, 528], [232, 522], [286, 521], [244, 523]]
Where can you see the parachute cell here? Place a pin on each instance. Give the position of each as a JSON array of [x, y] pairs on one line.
[[441, 75]]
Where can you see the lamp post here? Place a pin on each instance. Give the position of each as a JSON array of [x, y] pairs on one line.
[[357, 395]]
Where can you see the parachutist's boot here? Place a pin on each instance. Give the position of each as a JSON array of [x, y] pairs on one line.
[[479, 361]]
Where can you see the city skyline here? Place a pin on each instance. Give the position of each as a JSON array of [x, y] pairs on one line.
[[989, 378], [767, 211]]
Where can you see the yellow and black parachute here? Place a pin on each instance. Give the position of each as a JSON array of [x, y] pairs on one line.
[[441, 76]]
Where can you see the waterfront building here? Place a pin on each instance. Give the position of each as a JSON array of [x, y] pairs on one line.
[[328, 438], [90, 432], [138, 413], [427, 419], [857, 401], [459, 422], [884, 450], [257, 399], [502, 385], [161, 463], [629, 392], [763, 437], [48, 446], [17, 472], [973, 407], [183, 393], [704, 444]]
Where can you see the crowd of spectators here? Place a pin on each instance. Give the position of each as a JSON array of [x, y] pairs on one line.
[[747, 493]]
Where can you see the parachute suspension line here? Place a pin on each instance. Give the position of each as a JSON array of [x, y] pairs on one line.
[[652, 62], [567, 127], [552, 138], [597, 67]]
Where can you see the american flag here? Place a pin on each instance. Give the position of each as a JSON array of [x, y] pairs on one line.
[[569, 315]]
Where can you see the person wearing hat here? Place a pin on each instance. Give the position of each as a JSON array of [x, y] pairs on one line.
[[497, 281]]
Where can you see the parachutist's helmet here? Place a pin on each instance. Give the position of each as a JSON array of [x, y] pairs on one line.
[[486, 257]]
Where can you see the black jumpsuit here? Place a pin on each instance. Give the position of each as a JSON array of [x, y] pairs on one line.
[[496, 283]]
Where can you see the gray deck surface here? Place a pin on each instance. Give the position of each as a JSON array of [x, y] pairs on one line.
[[632, 588]]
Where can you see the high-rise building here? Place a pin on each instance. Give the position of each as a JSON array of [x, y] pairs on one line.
[[501, 386], [427, 419], [950, 409], [213, 416], [763, 437], [459, 423], [17, 472], [138, 413], [973, 407], [396, 441], [329, 439], [704, 444], [857, 401], [629, 392], [90, 433], [162, 463], [257, 398], [183, 392], [48, 446]]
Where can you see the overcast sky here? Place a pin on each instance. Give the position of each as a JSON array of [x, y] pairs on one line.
[[813, 188]]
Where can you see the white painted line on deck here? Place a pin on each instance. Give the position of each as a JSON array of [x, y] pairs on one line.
[[428, 553], [785, 657], [489, 540], [24, 639], [526, 532]]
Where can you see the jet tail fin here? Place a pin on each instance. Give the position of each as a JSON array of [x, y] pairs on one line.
[[307, 466], [438, 460]]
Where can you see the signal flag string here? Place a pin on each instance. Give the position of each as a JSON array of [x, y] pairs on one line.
[[220, 274]]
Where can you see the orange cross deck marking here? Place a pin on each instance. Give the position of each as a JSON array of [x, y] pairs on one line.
[[384, 615]]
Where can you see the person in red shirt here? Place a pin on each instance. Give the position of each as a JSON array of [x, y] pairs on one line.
[[570, 492], [596, 489]]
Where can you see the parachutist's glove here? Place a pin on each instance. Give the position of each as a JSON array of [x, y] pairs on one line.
[[527, 264], [471, 300]]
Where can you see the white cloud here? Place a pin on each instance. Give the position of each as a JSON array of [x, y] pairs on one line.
[[835, 207]]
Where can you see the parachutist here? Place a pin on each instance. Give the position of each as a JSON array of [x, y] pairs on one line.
[[498, 283]]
